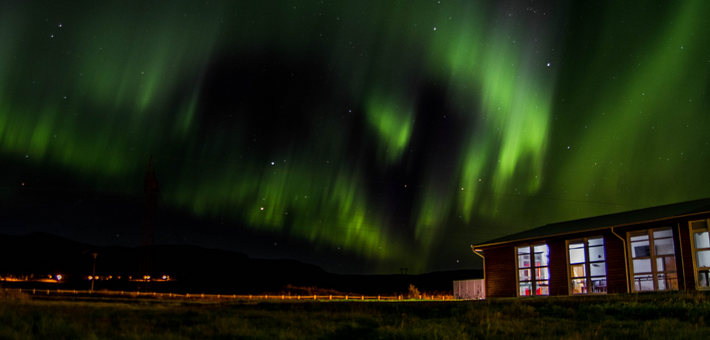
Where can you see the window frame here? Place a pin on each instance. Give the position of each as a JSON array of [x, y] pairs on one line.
[[695, 250], [587, 263], [653, 259], [532, 268]]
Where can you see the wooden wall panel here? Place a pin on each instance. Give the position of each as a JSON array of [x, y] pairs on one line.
[[615, 264], [684, 257], [500, 272], [558, 267], [500, 259]]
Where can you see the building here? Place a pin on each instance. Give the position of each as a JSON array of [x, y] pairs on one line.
[[653, 249]]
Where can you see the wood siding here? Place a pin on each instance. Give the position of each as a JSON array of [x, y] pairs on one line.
[[615, 263], [686, 271], [558, 267], [500, 272]]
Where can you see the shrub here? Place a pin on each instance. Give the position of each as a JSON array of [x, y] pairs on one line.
[[413, 292]]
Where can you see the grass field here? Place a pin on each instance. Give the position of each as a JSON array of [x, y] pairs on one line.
[[676, 315]]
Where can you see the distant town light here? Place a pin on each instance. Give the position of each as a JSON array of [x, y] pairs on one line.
[[165, 277], [59, 277]]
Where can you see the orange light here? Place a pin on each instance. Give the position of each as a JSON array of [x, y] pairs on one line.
[[91, 277]]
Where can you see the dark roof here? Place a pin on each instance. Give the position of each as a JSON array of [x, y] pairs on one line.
[[607, 221]]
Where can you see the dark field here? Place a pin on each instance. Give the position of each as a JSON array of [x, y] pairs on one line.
[[676, 315]]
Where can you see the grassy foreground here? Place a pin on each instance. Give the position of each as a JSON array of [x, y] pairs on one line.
[[677, 315]]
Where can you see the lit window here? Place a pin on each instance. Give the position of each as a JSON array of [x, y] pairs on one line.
[[533, 271], [701, 253], [653, 260], [587, 266]]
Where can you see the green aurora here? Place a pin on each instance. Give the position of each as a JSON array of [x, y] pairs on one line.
[[398, 131]]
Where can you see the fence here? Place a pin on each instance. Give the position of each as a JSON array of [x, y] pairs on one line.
[[470, 289], [124, 294]]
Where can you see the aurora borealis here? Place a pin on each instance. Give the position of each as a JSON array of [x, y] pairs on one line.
[[360, 136]]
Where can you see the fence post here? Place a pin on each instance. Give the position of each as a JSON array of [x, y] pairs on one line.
[[378, 298], [299, 297], [314, 297], [346, 297], [330, 297]]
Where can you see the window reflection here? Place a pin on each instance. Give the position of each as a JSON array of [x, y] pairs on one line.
[[653, 259], [539, 284], [701, 252], [587, 266]]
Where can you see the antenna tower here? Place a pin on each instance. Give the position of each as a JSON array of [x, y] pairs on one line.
[[151, 192]]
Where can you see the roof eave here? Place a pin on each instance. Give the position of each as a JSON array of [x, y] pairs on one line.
[[588, 230]]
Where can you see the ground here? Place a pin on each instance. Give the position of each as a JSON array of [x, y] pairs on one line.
[[677, 315]]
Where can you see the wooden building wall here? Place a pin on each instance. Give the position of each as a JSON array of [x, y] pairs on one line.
[[684, 252], [614, 257], [500, 272], [615, 263], [681, 244], [558, 267]]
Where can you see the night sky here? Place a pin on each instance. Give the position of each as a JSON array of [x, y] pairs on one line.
[[359, 136]]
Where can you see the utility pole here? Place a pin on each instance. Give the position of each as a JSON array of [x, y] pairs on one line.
[[93, 272], [151, 191]]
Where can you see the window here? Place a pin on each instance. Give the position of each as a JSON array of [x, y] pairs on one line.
[[701, 253], [653, 260], [533, 272], [587, 266]]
